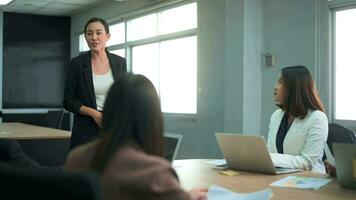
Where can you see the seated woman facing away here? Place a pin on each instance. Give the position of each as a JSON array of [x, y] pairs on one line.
[[129, 153], [299, 129]]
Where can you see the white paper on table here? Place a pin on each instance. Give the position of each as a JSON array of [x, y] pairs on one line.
[[217, 162], [301, 182], [218, 193]]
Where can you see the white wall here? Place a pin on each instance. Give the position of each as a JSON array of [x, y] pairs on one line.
[[253, 32], [234, 65], [243, 48]]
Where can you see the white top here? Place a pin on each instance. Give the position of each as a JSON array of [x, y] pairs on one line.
[[303, 146], [102, 84]]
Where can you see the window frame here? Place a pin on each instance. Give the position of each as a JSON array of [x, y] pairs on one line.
[[334, 10], [129, 45]]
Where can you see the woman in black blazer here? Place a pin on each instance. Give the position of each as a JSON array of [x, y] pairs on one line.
[[89, 77]]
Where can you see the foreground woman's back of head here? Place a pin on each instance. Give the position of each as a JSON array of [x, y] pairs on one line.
[[131, 115]]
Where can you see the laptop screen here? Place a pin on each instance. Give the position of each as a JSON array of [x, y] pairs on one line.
[[172, 143]]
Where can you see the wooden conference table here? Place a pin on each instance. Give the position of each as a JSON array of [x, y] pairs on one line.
[[199, 173], [47, 146], [21, 131]]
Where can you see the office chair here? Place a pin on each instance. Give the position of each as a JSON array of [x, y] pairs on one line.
[[339, 134], [54, 118], [24, 184]]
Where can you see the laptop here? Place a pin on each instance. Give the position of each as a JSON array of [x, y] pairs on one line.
[[172, 144], [249, 153], [345, 160]]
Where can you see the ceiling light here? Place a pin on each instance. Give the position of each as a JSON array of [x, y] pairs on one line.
[[5, 2]]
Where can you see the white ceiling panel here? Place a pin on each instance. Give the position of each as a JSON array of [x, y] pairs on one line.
[[27, 3], [62, 6], [78, 2], [52, 7]]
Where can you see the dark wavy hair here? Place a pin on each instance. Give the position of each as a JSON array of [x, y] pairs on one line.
[[300, 92]]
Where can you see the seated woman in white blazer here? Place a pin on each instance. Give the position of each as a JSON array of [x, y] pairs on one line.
[[299, 129]]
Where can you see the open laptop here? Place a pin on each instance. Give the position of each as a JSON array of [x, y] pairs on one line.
[[248, 153], [345, 160], [172, 144]]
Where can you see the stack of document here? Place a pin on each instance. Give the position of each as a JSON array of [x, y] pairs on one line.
[[218, 193], [302, 182]]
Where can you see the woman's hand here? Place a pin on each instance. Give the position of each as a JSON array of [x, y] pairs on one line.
[[199, 194], [98, 117], [330, 169]]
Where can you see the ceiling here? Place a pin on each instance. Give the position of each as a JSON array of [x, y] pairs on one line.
[[54, 7]]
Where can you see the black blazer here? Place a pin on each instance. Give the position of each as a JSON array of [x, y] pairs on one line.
[[79, 91]]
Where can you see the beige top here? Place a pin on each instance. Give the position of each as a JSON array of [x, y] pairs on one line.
[[102, 84], [131, 174]]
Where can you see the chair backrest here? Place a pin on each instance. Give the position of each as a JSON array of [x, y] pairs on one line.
[[23, 184], [339, 134], [54, 118]]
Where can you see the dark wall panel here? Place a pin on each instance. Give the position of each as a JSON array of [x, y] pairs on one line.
[[36, 56]]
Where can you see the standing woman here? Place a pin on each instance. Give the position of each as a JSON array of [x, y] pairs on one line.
[[89, 78], [299, 129]]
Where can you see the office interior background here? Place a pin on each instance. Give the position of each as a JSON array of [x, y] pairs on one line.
[[213, 62]]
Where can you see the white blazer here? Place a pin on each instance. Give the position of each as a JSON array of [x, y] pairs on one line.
[[304, 142]]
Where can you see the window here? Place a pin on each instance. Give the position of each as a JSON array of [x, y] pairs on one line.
[[143, 27], [117, 34], [163, 47], [345, 64], [145, 61], [119, 52], [178, 77], [175, 78], [178, 19], [83, 46]]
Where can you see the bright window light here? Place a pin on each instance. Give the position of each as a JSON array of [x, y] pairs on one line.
[[174, 78], [117, 34], [178, 77], [178, 19], [145, 62], [345, 64], [83, 46], [143, 27]]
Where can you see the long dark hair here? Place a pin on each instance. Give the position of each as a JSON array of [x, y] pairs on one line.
[[97, 19], [300, 92], [132, 114]]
